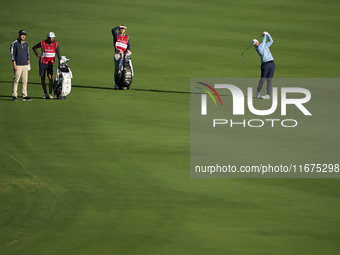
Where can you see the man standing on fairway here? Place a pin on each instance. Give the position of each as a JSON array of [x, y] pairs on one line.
[[21, 65], [268, 65], [120, 42], [49, 48]]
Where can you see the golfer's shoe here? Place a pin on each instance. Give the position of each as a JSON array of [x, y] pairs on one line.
[[46, 96], [50, 96], [115, 87], [266, 97], [14, 99], [26, 99], [257, 95]]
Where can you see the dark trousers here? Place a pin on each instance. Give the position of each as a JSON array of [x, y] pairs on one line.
[[267, 73]]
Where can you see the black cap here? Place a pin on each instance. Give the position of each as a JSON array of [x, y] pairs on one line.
[[22, 32]]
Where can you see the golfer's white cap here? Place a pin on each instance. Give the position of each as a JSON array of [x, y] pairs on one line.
[[51, 35], [254, 41]]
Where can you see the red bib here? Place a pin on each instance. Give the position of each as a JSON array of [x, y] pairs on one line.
[[48, 51], [122, 42]]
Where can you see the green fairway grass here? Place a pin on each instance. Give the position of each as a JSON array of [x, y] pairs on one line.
[[107, 172]]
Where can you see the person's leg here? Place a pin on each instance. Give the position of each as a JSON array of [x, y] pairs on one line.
[[50, 79], [17, 75], [42, 71], [115, 75], [270, 76], [264, 74], [43, 84], [24, 77], [263, 77]]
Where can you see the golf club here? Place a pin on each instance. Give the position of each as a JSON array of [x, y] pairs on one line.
[[249, 47]]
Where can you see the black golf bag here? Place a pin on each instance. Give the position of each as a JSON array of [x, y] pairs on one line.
[[62, 82], [125, 73]]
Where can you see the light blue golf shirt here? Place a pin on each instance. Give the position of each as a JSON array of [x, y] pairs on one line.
[[263, 49]]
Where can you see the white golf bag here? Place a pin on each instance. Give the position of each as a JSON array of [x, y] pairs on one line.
[[62, 82]]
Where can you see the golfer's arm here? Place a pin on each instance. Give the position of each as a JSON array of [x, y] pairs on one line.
[[270, 40], [13, 52], [28, 55], [260, 48], [115, 29], [57, 51], [35, 47], [114, 33]]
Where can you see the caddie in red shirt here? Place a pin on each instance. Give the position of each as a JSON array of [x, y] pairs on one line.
[[120, 42], [49, 48]]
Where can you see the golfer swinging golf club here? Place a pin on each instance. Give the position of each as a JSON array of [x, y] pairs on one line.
[[267, 66]]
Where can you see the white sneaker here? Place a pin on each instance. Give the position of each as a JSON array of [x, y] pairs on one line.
[[115, 87], [50, 96], [257, 94], [266, 97]]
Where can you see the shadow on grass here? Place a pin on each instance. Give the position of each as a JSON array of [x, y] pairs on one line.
[[93, 87]]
